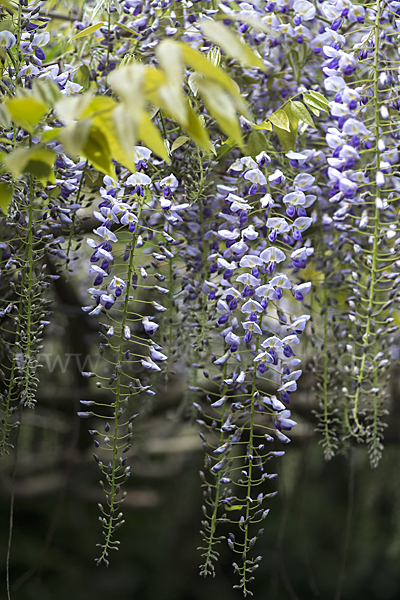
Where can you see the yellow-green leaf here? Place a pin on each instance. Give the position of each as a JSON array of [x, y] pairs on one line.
[[74, 137], [26, 111], [47, 91], [317, 96], [280, 119], [126, 28], [36, 161], [87, 31], [130, 81], [5, 196], [119, 135], [97, 151], [8, 5], [99, 105], [235, 507], [222, 108], [182, 139], [71, 108], [197, 132], [293, 57], [301, 112], [265, 125], [151, 137], [230, 43], [314, 103], [288, 138], [170, 57], [200, 63], [5, 117]]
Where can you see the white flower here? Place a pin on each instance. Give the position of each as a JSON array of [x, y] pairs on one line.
[[272, 254], [41, 39], [281, 281], [170, 181], [141, 153], [237, 203], [251, 260], [252, 306], [295, 198], [256, 176], [272, 342], [140, 179], [302, 223], [7, 39], [106, 234], [305, 9]]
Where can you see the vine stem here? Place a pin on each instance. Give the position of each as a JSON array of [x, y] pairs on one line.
[[376, 225], [218, 487], [108, 44], [11, 520], [29, 295], [110, 527], [246, 534], [325, 371], [203, 246]]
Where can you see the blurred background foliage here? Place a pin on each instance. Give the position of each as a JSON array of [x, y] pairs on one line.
[[334, 526]]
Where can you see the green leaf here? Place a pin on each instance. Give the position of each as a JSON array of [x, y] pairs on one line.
[[256, 143], [199, 63], [74, 137], [8, 5], [265, 125], [6, 192], [312, 107], [47, 91], [293, 57], [99, 7], [197, 132], [301, 112], [7, 25], [288, 138], [26, 111], [235, 507], [99, 105], [230, 43], [71, 108], [225, 148], [83, 76], [36, 161], [280, 119], [182, 139], [314, 104], [5, 118], [87, 31], [119, 135], [126, 28], [222, 108], [150, 136], [318, 96]]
